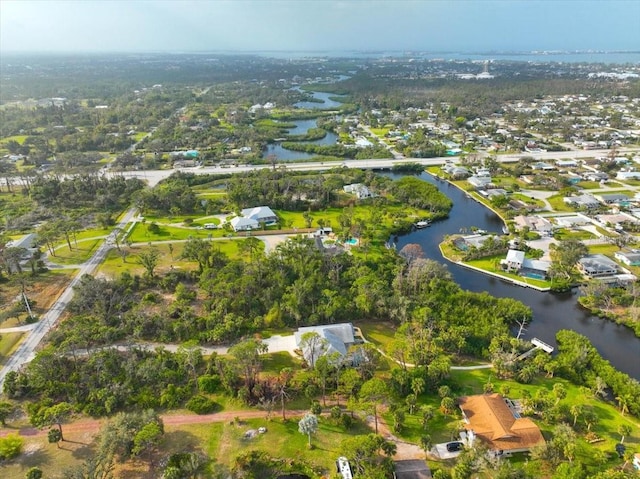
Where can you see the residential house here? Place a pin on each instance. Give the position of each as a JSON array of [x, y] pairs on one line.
[[479, 181], [572, 221], [261, 214], [535, 268], [585, 201], [613, 198], [359, 190], [566, 163], [541, 165], [628, 175], [597, 265], [240, 223], [513, 261], [337, 339], [498, 424], [537, 224], [629, 258]]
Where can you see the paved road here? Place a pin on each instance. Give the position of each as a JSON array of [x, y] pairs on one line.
[[26, 350], [155, 176]]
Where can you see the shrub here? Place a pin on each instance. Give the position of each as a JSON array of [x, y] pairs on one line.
[[208, 383], [201, 405], [10, 446]]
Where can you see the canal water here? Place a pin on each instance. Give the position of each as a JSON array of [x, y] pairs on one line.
[[302, 126], [551, 312]]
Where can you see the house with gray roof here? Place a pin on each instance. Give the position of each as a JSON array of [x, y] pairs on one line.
[[629, 258], [585, 201], [261, 214], [337, 339], [597, 265], [240, 223]]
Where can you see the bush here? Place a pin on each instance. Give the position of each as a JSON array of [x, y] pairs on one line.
[[10, 446], [201, 405], [208, 383]]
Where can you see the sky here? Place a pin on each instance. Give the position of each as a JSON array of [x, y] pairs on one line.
[[317, 25]]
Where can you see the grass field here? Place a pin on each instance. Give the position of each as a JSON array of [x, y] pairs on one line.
[[491, 265], [141, 234], [114, 265], [78, 255], [8, 343], [558, 204]]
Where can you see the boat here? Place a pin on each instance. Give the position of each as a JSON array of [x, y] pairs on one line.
[[422, 224]]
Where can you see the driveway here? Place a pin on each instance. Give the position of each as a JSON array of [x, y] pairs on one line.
[[278, 343]]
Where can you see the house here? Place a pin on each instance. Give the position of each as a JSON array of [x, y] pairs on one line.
[[239, 223], [572, 221], [628, 175], [596, 176], [566, 163], [541, 165], [338, 338], [585, 201], [513, 261], [261, 214], [597, 265], [613, 198], [534, 223], [636, 461], [628, 257], [358, 189], [479, 181], [496, 422], [494, 193], [535, 268]]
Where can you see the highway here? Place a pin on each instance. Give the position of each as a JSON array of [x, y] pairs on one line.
[[153, 177], [26, 351]]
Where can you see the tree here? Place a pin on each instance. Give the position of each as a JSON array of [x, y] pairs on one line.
[[247, 355], [426, 443], [46, 416], [308, 425], [34, 473], [624, 430], [284, 379], [54, 436], [373, 393], [313, 346], [6, 408], [149, 260]]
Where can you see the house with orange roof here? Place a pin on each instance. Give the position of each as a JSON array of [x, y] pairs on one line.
[[496, 421]]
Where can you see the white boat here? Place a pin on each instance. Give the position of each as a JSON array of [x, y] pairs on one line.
[[422, 224]]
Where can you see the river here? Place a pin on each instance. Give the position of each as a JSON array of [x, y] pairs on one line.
[[551, 312]]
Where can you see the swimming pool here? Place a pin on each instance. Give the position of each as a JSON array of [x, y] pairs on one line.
[[533, 275]]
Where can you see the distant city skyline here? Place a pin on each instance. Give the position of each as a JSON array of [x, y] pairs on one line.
[[330, 25]]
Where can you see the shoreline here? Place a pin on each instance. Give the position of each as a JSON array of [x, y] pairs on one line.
[[515, 282]]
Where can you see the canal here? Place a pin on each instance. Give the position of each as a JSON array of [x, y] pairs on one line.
[[551, 312]]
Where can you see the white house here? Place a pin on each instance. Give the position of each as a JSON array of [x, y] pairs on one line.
[[628, 258], [261, 214], [358, 189], [514, 260], [479, 181], [240, 223], [337, 338], [628, 175]]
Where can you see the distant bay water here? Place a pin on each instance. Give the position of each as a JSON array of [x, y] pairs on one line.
[[613, 57]]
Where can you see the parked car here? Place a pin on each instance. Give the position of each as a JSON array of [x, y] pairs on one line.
[[455, 446]]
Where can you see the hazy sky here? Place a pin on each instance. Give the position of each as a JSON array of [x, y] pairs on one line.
[[258, 25]]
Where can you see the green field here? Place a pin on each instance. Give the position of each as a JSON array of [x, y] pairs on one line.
[[141, 234], [8, 343], [78, 255]]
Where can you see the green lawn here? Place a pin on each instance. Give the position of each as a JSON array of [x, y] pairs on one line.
[[141, 234], [282, 439], [273, 363], [8, 343], [114, 265], [564, 234], [379, 333], [19, 138], [78, 255], [492, 265], [558, 204]]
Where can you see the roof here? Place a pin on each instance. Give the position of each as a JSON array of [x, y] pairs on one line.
[[338, 337], [515, 256], [597, 263], [239, 222], [490, 418], [537, 264], [258, 212]]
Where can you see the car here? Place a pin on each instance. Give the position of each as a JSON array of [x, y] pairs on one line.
[[454, 446]]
